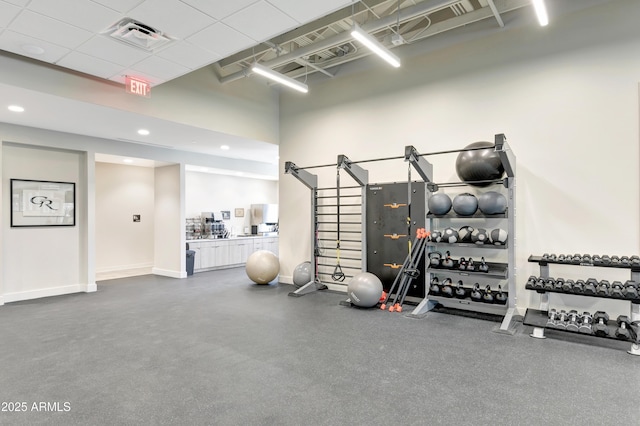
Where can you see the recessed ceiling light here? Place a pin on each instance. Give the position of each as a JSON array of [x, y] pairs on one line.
[[143, 132], [16, 108], [127, 160], [32, 49], [225, 147]]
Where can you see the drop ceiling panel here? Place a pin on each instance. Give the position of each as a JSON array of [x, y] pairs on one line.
[[14, 42], [161, 68], [7, 13], [172, 17], [305, 11], [113, 51], [221, 39], [48, 29], [189, 55], [121, 6], [89, 65], [219, 9], [260, 21], [84, 14], [18, 2]]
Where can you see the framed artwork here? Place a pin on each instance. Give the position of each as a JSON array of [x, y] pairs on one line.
[[239, 212], [226, 215], [42, 203]]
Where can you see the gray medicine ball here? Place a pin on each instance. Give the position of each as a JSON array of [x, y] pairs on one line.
[[498, 236], [464, 233], [450, 236], [465, 204], [492, 202], [364, 290], [439, 204]]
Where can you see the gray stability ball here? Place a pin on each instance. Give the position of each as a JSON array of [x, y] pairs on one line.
[[479, 165], [492, 202], [439, 204], [364, 290], [465, 204], [302, 274]]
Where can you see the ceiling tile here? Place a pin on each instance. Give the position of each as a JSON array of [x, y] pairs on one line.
[[51, 30], [112, 51], [13, 42], [121, 6], [7, 13], [221, 39], [261, 21], [161, 15], [81, 13], [219, 8], [162, 68], [309, 10], [189, 55], [89, 65], [18, 2]]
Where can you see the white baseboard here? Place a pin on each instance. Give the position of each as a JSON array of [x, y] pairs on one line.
[[93, 287], [45, 292], [124, 267], [1, 300], [285, 279], [169, 273]]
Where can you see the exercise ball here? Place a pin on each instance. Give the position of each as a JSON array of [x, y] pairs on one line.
[[465, 204], [483, 164], [498, 236], [302, 274], [262, 266], [364, 290], [450, 235], [492, 202], [439, 204], [464, 234]]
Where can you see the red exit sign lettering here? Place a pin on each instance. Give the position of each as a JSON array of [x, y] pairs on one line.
[[138, 87]]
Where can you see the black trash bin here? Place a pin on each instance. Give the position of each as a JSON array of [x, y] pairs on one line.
[[191, 257]]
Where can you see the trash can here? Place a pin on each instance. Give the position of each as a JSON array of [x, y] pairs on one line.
[[191, 257]]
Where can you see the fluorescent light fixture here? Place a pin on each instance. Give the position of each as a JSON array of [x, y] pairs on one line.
[[374, 45], [541, 12], [15, 108], [143, 132], [224, 147], [280, 78]]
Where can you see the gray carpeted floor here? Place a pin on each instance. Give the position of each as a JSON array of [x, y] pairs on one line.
[[215, 349]]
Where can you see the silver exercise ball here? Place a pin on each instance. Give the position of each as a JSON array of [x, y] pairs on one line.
[[262, 267], [302, 274], [364, 290], [479, 165]]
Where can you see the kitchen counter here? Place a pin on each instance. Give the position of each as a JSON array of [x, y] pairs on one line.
[[237, 237], [217, 253]]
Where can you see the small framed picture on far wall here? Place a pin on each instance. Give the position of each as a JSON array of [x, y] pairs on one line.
[[239, 212], [226, 215]]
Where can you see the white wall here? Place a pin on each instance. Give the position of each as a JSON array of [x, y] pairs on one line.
[[169, 224], [566, 97], [43, 261], [210, 192], [122, 191]]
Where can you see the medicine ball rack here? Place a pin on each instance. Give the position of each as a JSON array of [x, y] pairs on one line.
[[537, 318], [498, 271]]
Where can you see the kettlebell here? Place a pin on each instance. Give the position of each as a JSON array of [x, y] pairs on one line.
[[487, 297], [448, 262], [483, 267], [434, 289], [476, 293], [462, 264], [501, 297], [470, 265], [461, 293], [435, 258], [446, 288]]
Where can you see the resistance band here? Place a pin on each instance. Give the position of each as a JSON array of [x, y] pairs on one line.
[[338, 275]]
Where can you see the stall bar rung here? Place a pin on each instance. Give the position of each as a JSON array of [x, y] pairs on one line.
[[341, 205], [342, 187], [341, 196], [341, 214], [341, 257], [335, 223], [341, 248], [342, 231], [342, 266], [342, 241]]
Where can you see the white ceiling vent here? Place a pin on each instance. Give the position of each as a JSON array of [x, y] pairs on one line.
[[137, 34]]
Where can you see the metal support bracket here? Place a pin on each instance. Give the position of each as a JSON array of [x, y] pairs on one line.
[[507, 156], [422, 166], [308, 179], [360, 175]]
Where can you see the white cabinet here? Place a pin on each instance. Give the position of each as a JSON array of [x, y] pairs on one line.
[[226, 253], [271, 244], [239, 251]]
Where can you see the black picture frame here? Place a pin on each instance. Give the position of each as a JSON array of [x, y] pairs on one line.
[[37, 203]]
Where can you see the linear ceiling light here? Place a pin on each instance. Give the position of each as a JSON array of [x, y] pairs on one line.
[[374, 45], [280, 78], [541, 12]]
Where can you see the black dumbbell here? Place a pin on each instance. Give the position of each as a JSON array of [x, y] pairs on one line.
[[446, 288], [599, 326], [476, 293], [545, 256], [549, 283], [576, 259], [578, 287], [552, 318], [624, 330], [531, 283], [615, 260], [596, 259], [586, 258], [585, 323], [624, 260], [591, 286], [567, 286], [572, 323], [557, 286], [616, 290], [562, 258], [501, 297], [635, 260], [603, 288], [561, 321], [460, 292], [434, 289], [606, 260], [630, 290], [539, 285]]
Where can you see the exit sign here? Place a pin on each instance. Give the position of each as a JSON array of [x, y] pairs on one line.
[[138, 87]]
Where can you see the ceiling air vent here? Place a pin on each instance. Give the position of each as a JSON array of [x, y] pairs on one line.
[[137, 34]]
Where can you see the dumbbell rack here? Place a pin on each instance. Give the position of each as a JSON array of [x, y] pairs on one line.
[[537, 318]]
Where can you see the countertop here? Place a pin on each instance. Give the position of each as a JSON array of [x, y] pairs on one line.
[[237, 237]]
